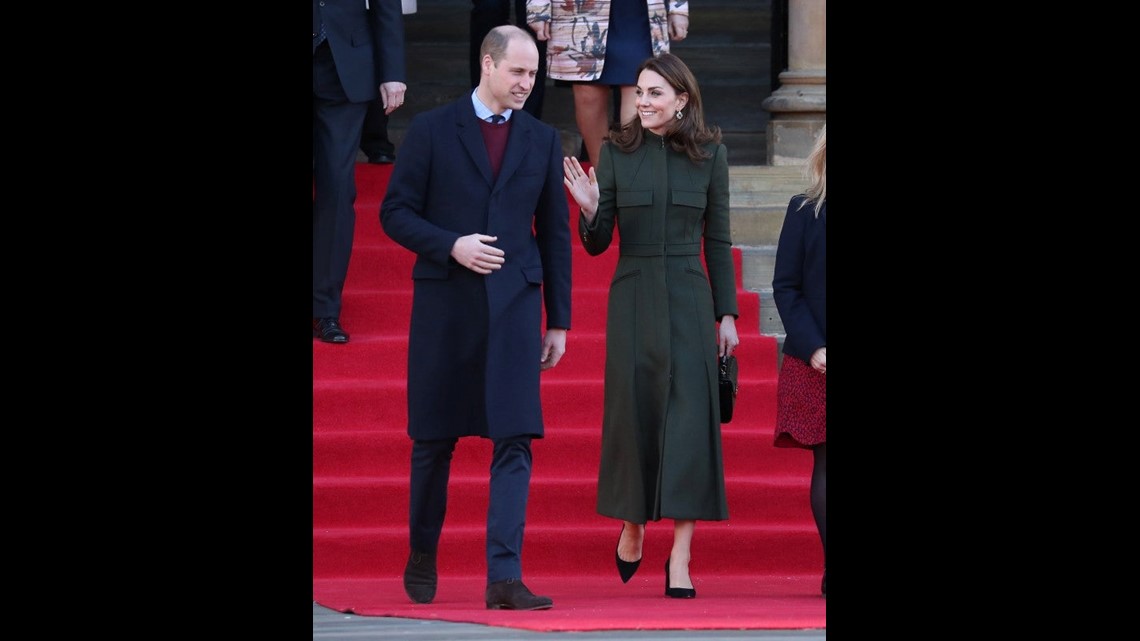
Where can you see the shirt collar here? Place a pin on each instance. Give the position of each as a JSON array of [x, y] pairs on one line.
[[482, 111]]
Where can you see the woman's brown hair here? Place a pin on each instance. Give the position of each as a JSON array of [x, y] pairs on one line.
[[690, 133]]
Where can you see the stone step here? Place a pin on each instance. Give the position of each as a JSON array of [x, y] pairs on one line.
[[757, 263], [760, 195], [761, 185]]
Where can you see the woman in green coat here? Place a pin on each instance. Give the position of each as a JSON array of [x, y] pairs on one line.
[[661, 185]]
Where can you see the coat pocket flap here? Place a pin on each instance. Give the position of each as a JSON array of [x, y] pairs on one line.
[[698, 199], [634, 198], [533, 275]]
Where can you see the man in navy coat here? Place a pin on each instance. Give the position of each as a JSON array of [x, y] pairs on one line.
[[358, 58], [482, 204]]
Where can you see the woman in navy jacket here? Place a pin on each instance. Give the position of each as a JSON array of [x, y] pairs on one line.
[[799, 286]]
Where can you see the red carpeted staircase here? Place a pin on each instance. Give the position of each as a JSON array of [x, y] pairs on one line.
[[361, 450]]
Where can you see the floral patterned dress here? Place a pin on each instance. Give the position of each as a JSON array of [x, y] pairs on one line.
[[580, 28]]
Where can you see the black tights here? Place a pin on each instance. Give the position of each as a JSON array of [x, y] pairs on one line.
[[819, 494]]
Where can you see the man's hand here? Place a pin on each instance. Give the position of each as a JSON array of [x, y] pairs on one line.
[[475, 254], [553, 347], [392, 95]]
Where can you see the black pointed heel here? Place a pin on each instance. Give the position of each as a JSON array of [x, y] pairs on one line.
[[677, 593], [625, 568]]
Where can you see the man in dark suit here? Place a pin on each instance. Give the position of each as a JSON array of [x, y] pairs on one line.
[[480, 200], [358, 58]]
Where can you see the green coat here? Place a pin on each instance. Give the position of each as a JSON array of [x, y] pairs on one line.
[[661, 445]]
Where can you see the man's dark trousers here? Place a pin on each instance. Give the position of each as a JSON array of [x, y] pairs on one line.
[[506, 513], [337, 124]]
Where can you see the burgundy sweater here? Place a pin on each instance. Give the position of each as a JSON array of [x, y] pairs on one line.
[[495, 137]]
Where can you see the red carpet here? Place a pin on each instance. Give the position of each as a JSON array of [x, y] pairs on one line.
[[758, 570]]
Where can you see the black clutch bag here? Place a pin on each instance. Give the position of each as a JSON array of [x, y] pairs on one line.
[[728, 387]]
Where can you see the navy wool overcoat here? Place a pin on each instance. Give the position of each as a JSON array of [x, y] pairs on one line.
[[475, 340]]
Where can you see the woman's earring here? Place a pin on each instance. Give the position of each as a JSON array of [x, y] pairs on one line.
[[679, 115]]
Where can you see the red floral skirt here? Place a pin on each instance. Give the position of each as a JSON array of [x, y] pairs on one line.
[[801, 405]]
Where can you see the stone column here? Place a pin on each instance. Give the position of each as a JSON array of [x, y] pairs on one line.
[[799, 107]]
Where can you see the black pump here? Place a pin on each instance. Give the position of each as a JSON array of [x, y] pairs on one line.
[[677, 593]]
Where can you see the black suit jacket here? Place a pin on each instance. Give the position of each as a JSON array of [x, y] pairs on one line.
[[367, 44]]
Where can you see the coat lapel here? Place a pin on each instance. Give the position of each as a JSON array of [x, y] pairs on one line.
[[472, 138], [517, 143]]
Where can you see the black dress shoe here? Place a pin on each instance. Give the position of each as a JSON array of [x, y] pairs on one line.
[[677, 593], [419, 577], [513, 595], [329, 330], [382, 159], [625, 568]]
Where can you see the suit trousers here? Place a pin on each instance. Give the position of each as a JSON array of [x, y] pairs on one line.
[[374, 140], [506, 513], [337, 124]]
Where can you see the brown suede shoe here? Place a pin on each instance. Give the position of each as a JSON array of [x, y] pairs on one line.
[[513, 595], [420, 577]]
